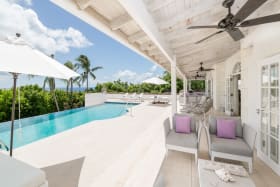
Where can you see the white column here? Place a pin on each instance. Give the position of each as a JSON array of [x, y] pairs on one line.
[[185, 89], [173, 86]]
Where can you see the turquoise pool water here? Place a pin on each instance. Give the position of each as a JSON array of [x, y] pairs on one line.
[[38, 127]]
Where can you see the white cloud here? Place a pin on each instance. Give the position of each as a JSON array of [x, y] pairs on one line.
[[153, 68], [27, 2], [133, 77], [17, 19], [125, 74]]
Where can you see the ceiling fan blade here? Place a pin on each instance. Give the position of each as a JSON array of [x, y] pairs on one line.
[[206, 38], [204, 27], [209, 69], [261, 20], [193, 70], [245, 11], [236, 34]]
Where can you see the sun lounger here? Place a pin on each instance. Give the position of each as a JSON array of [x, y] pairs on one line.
[[140, 97], [164, 99]]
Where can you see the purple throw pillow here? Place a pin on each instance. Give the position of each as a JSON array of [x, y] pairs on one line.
[[183, 124], [226, 128]]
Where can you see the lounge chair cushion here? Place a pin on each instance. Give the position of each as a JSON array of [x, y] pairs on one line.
[[182, 140], [213, 124], [193, 125], [231, 146]]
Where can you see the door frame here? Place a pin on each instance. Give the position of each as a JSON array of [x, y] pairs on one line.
[[266, 158]]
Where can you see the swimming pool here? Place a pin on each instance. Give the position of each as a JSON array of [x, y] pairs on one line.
[[39, 127]]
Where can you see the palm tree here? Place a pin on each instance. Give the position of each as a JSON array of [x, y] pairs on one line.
[[69, 83], [84, 64], [51, 83]]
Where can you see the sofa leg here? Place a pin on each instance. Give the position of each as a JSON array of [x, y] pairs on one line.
[[250, 165], [212, 157]]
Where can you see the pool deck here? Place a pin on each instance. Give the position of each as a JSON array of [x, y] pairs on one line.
[[86, 155]]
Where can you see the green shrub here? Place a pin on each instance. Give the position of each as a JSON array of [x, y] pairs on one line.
[[35, 101]]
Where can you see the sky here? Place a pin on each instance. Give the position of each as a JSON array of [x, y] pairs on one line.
[[52, 30]]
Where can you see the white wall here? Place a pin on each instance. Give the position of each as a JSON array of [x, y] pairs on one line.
[[260, 43], [219, 75], [92, 99]]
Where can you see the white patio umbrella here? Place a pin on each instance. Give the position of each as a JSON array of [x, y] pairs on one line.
[[19, 58], [155, 80]]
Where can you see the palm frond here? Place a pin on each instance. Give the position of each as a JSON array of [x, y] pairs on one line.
[[96, 68], [69, 64], [92, 75]]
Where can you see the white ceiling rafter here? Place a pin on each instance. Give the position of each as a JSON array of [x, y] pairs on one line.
[[136, 36], [193, 11], [120, 21], [157, 4], [138, 11], [83, 4]]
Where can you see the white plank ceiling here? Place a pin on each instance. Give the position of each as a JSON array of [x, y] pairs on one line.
[[171, 17]]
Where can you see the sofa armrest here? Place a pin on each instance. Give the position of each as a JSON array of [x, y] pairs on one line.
[[199, 127], [209, 141], [166, 126], [249, 135]]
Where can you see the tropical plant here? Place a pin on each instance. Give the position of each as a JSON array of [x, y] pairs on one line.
[[85, 65], [51, 83], [35, 101], [69, 83], [122, 87]]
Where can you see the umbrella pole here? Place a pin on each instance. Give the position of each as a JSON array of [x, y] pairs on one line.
[[15, 76]]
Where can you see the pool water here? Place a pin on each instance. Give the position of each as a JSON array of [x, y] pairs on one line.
[[38, 127]]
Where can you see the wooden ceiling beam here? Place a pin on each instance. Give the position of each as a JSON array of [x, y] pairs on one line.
[[147, 46], [154, 52], [185, 43], [83, 4], [205, 7], [120, 21], [218, 43], [158, 4], [136, 36]]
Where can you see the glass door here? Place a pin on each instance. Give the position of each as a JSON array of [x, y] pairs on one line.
[[229, 95], [269, 114]]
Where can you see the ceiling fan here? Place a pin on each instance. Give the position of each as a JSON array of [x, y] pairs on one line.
[[201, 68], [198, 76], [231, 23]]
